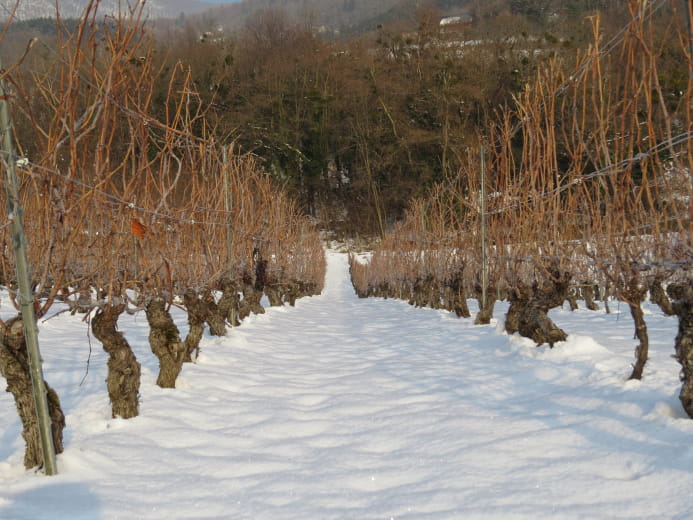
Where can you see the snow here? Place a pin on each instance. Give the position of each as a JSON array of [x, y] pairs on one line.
[[343, 408]]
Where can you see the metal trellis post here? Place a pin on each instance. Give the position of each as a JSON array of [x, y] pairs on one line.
[[26, 298], [484, 267], [229, 225]]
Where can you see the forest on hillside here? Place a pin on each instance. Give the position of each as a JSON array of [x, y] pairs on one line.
[[354, 126]]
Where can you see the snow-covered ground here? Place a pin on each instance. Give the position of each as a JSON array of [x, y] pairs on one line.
[[343, 408]]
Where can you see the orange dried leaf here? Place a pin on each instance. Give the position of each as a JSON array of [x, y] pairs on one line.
[[136, 228]]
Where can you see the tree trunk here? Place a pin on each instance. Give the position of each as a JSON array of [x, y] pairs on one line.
[[260, 270], [214, 316], [588, 296], [459, 305], [291, 294], [123, 380], [461, 309], [274, 295], [518, 297], [14, 367], [312, 289], [198, 312], [572, 299], [633, 297], [682, 305], [165, 342], [641, 351], [536, 325], [435, 293], [660, 298], [485, 313], [531, 320], [457, 300], [605, 295], [426, 294], [229, 304], [251, 302]]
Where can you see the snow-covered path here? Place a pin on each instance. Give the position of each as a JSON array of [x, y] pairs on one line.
[[343, 408]]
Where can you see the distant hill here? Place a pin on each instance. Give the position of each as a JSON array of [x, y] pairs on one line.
[[346, 17], [29, 9]]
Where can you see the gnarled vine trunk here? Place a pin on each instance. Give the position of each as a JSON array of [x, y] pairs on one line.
[[213, 316], [165, 342], [14, 367], [682, 304], [633, 297], [519, 297], [528, 312], [198, 312], [572, 299], [296, 289], [588, 296], [605, 295], [229, 304], [123, 380], [274, 294], [536, 325], [251, 302], [483, 317], [456, 297], [291, 294], [659, 297], [459, 304]]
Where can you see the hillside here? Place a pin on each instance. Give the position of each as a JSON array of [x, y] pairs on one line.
[[338, 17], [29, 9]]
